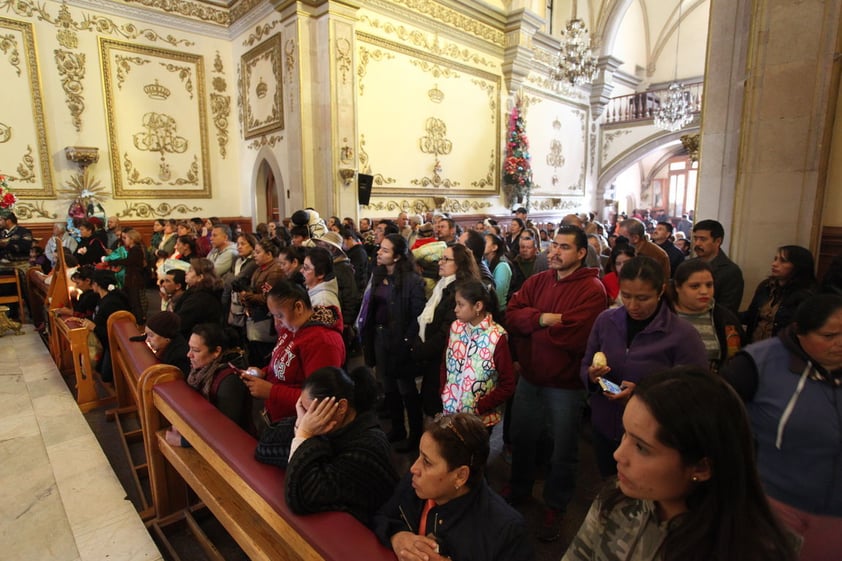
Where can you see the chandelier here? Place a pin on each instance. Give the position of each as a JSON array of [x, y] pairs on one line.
[[574, 63], [674, 112]]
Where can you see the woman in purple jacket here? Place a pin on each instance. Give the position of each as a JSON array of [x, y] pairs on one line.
[[641, 337]]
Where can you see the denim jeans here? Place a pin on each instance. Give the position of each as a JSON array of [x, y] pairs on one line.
[[559, 411]]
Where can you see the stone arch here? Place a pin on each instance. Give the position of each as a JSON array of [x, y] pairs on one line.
[[266, 174]]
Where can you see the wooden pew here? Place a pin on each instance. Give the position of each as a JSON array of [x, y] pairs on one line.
[[69, 346], [247, 497], [131, 361]]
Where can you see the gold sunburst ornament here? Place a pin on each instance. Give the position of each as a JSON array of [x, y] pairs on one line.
[[83, 188]]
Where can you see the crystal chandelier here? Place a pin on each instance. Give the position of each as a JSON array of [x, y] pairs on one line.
[[674, 112], [574, 63]]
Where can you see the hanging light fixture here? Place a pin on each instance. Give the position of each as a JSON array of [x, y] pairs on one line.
[[674, 112], [574, 63]]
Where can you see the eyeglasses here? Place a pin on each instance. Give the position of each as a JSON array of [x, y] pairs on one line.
[[446, 259]]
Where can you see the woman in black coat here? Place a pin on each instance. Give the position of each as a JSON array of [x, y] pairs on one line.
[[456, 265], [444, 509], [792, 280], [201, 302], [387, 322]]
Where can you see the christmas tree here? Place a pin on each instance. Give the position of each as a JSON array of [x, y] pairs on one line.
[[517, 172]]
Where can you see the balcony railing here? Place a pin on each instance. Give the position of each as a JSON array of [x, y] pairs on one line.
[[643, 106]]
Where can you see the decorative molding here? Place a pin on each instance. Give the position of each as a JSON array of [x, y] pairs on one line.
[[592, 145], [71, 70], [343, 58], [139, 128], [95, 23], [379, 178], [220, 111], [434, 69], [553, 203], [691, 143], [146, 210], [260, 116], [365, 56], [420, 206], [24, 128], [28, 211], [265, 141], [289, 57], [260, 32], [489, 178], [609, 137], [491, 90], [432, 46], [578, 189], [449, 17], [196, 10]]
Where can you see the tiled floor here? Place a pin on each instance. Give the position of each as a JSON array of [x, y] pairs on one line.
[[59, 497]]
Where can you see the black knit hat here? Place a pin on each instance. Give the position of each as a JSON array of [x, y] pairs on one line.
[[103, 278], [165, 324]]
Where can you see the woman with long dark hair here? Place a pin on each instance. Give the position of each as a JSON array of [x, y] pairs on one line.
[[791, 281], [456, 265], [498, 263], [391, 303], [687, 486]]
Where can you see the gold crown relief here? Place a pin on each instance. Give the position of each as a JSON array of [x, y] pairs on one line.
[[156, 91], [435, 94], [262, 89]]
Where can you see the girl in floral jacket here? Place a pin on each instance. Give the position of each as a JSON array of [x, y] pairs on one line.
[[477, 375]]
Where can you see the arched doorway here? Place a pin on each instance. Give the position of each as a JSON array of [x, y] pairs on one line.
[[267, 189]]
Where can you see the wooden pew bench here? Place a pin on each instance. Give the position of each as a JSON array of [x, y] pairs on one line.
[[131, 361], [246, 496]]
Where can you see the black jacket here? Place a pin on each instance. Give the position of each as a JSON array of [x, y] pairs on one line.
[[348, 470], [198, 305], [790, 300], [115, 301], [478, 526], [176, 354], [402, 326], [728, 282]]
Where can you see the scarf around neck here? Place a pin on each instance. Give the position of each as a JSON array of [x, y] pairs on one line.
[[429, 311], [201, 378]]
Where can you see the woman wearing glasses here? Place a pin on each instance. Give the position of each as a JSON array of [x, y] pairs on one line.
[[444, 509]]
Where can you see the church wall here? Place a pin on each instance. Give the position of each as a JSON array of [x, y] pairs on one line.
[[197, 172]]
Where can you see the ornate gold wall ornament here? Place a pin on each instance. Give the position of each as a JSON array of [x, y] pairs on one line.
[[181, 167], [289, 55], [71, 70], [449, 17], [201, 11], [489, 177], [260, 32], [217, 63], [156, 91], [5, 133], [417, 206], [365, 56], [263, 116], [491, 89], [418, 39], [25, 169], [453, 205], [10, 47], [124, 67], [28, 211], [379, 178], [610, 136], [145, 210], [435, 141], [555, 203], [270, 141], [261, 89], [436, 70], [220, 111], [343, 58], [592, 145], [435, 94], [691, 143], [84, 187], [184, 74], [437, 181], [94, 23]]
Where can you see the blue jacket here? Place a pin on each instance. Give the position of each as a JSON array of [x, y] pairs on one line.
[[666, 342], [799, 455]]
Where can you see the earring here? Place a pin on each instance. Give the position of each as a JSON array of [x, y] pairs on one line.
[[694, 479]]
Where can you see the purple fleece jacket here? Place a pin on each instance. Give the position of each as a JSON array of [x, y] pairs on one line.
[[666, 342]]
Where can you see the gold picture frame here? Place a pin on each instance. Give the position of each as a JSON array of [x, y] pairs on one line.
[[156, 120], [262, 88], [24, 151]]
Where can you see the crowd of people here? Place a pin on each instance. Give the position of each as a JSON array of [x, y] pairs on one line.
[[717, 430]]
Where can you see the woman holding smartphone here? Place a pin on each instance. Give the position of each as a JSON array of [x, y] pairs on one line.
[[642, 336]]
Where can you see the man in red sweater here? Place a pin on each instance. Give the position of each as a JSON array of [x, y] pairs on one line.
[[549, 320]]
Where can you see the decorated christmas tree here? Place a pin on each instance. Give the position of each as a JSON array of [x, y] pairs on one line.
[[517, 171]]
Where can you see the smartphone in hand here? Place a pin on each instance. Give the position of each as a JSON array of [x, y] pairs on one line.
[[608, 386]]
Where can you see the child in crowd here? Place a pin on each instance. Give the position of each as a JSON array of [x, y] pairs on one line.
[[477, 375]]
